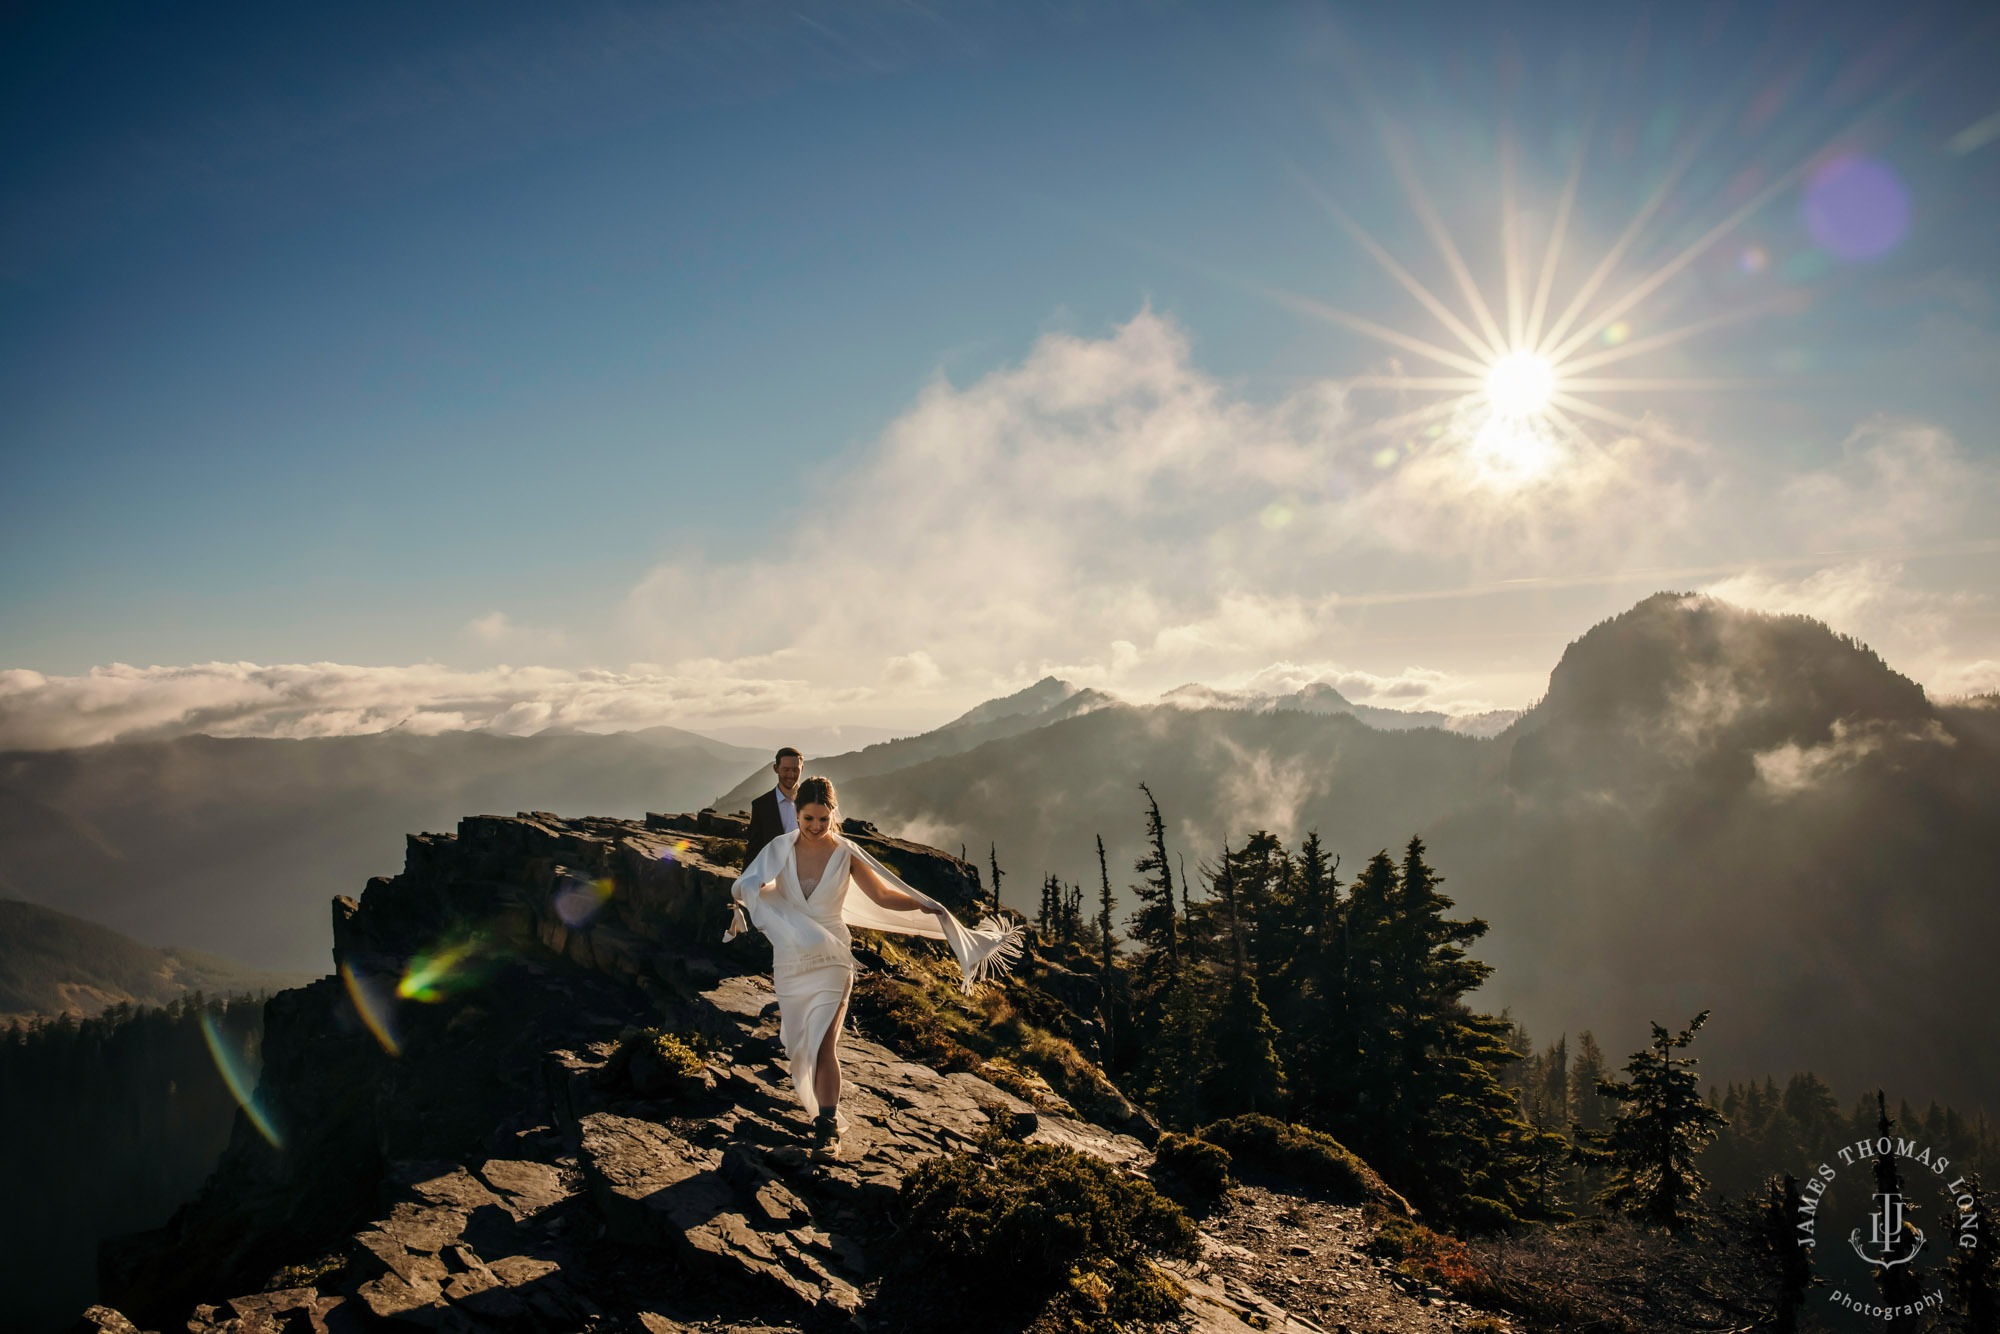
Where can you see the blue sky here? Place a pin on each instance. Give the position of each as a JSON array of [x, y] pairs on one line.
[[626, 339]]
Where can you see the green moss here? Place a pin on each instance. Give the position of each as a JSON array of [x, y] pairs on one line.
[[1303, 1154], [1200, 1166], [1053, 1235]]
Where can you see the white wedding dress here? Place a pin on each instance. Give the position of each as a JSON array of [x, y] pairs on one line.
[[812, 961]]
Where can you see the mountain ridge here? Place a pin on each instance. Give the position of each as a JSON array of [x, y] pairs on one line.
[[1645, 843], [52, 963]]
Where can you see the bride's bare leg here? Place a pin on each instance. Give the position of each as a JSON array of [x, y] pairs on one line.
[[826, 1067]]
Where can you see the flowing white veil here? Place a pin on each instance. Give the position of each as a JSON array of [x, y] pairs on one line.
[[987, 951]]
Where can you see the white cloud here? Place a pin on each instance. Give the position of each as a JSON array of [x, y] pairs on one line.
[[1791, 768], [1107, 511], [1895, 482], [333, 699], [498, 630], [911, 671], [1917, 631]]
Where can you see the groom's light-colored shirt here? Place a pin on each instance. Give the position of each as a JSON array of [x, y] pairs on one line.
[[788, 814]]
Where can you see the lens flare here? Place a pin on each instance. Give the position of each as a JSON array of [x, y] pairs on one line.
[[377, 1011], [1856, 208], [457, 963], [578, 900], [674, 850], [241, 1079]]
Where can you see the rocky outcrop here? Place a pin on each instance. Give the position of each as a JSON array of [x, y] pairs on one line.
[[463, 1144]]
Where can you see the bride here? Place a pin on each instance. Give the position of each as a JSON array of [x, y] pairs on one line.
[[797, 893]]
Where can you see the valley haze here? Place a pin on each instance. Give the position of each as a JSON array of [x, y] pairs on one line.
[[1709, 808]]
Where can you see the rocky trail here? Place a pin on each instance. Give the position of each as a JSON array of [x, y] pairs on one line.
[[495, 1158]]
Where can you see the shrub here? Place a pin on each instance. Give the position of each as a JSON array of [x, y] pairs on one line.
[[1431, 1257], [1476, 1213], [312, 1273], [661, 1062], [1044, 1229], [1199, 1165], [676, 1052], [1303, 1154]]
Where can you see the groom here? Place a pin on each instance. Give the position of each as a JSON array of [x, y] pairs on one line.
[[774, 813]]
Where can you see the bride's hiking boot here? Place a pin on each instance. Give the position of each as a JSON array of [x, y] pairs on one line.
[[826, 1136]]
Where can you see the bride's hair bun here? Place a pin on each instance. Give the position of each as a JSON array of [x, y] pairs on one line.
[[815, 791]]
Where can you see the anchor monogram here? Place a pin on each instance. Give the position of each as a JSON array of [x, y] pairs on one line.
[[1886, 1230]]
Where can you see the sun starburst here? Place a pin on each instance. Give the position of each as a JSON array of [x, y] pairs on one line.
[[1524, 383]]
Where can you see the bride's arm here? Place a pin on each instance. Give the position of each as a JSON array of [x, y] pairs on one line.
[[763, 868], [886, 894]]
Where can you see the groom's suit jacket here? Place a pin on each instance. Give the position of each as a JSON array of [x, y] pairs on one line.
[[765, 825]]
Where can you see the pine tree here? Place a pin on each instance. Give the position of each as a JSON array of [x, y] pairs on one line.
[[1154, 923], [1305, 996], [1316, 885], [1900, 1285], [993, 860], [1104, 905], [1261, 874], [1181, 1056], [1973, 1272], [1586, 1070], [1774, 1241], [1231, 925], [1245, 1074], [1049, 915], [1662, 1126], [1419, 1097]]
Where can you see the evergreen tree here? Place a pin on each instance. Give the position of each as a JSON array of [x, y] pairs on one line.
[[1104, 905], [1181, 1055], [1154, 924], [1260, 873], [1586, 1071], [1231, 922], [1973, 1272], [1778, 1243], [1662, 1126], [1048, 913], [1316, 893], [1305, 995], [1419, 1096], [1244, 1074], [993, 860], [1900, 1285]]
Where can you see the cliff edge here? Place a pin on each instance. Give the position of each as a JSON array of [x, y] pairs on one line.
[[540, 1094]]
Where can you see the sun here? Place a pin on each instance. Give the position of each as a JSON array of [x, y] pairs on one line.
[[1520, 384]]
